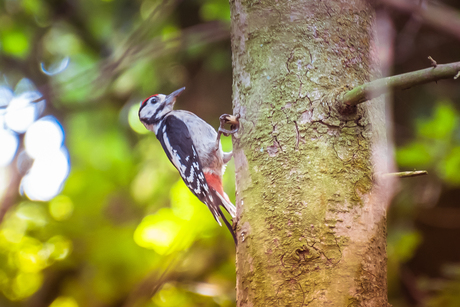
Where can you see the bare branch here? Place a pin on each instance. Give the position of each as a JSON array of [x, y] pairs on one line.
[[407, 174], [378, 87], [442, 18], [11, 193]]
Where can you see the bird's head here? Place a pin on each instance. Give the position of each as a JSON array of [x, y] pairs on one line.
[[156, 107]]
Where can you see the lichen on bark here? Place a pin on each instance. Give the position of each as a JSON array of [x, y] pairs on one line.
[[311, 216]]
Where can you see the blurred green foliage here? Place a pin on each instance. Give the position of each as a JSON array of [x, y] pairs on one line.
[[436, 145], [448, 295], [125, 231]]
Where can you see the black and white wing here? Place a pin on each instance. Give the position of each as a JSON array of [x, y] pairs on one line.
[[175, 138]]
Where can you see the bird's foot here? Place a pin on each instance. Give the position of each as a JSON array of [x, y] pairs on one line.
[[234, 126], [229, 119]]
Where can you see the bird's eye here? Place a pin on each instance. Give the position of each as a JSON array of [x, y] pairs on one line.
[[152, 99]]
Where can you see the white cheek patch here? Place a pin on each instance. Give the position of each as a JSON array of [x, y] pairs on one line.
[[146, 113]]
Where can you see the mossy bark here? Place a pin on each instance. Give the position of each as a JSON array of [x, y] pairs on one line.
[[311, 212]]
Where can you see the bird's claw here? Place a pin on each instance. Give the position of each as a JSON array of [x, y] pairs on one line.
[[234, 126], [228, 119]]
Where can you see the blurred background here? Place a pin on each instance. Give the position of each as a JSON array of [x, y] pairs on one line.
[[92, 212]]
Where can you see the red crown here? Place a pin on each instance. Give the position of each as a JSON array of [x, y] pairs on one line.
[[145, 101]]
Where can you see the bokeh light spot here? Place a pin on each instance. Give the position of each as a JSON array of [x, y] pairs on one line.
[[62, 247], [207, 289], [169, 296], [6, 94], [158, 231], [43, 137], [26, 86], [61, 207], [13, 230], [25, 284], [64, 301], [29, 258], [15, 43], [21, 112], [170, 32], [33, 213], [215, 10], [60, 41], [9, 142], [56, 67], [133, 120], [46, 176], [142, 187]]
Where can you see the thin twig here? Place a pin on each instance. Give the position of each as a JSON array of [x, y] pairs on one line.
[[407, 174], [433, 62], [378, 87], [11, 194]]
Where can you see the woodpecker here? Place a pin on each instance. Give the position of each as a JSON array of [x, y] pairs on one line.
[[194, 148]]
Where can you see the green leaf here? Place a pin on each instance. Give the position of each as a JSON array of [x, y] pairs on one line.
[[415, 154], [441, 125]]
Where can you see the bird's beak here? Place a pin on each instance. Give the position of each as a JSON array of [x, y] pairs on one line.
[[171, 98]]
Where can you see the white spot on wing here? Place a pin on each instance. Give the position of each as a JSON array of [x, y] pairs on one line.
[[190, 178], [174, 156]]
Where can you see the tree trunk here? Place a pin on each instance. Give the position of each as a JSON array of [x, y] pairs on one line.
[[311, 210]]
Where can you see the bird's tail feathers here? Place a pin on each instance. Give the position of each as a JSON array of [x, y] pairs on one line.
[[230, 228], [217, 212]]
